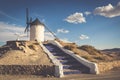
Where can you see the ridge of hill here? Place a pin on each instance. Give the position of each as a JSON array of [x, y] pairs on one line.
[[117, 50], [89, 52]]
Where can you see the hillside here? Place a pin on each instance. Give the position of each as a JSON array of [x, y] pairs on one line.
[[115, 52], [23, 53], [89, 52]]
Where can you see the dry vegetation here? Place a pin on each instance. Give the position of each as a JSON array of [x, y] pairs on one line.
[[88, 52], [23, 53]]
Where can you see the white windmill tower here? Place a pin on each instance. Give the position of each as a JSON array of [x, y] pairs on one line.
[[36, 27]]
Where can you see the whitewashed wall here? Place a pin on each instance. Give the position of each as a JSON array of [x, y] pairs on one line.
[[58, 65], [37, 33], [93, 66]]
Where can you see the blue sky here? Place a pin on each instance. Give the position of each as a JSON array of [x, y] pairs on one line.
[[86, 22]]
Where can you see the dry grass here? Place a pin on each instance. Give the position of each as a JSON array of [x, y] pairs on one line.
[[86, 51], [90, 49]]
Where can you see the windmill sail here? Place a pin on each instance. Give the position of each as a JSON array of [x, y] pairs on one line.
[[27, 21]]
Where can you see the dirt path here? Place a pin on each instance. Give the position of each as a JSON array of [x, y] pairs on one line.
[[111, 75]]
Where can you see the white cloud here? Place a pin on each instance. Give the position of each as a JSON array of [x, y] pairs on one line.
[[49, 36], [76, 18], [65, 40], [62, 31], [83, 37], [7, 31], [109, 10], [87, 13]]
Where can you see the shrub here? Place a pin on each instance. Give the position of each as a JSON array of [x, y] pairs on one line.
[[87, 57], [90, 49], [99, 57]]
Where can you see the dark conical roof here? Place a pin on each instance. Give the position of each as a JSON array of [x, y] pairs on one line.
[[36, 22]]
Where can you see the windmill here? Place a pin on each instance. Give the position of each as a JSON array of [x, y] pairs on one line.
[[28, 22], [36, 28]]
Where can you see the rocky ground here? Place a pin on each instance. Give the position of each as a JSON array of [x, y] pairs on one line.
[[27, 53], [26, 58]]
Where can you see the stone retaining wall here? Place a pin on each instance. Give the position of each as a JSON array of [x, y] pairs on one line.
[[44, 70], [105, 66]]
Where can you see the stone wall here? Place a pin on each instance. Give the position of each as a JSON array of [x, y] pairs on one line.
[[105, 66], [43, 70]]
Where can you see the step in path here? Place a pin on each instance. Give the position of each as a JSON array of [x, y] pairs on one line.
[[70, 65]]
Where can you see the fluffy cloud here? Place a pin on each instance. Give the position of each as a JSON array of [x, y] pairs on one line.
[[87, 13], [76, 18], [83, 37], [108, 10], [62, 31], [7, 31]]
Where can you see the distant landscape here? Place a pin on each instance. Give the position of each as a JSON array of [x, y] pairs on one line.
[[114, 50]]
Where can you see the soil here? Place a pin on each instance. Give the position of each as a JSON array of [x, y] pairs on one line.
[[29, 53]]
